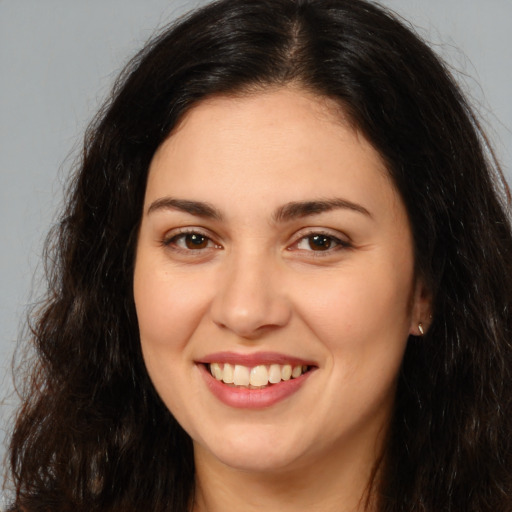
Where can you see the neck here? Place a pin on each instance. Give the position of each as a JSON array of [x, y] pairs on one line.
[[327, 485]]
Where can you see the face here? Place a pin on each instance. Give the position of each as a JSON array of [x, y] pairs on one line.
[[273, 242]]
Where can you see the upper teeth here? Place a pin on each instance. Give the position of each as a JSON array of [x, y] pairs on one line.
[[258, 376]]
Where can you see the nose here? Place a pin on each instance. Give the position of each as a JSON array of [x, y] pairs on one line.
[[250, 298]]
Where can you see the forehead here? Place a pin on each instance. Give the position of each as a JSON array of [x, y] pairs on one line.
[[283, 140]]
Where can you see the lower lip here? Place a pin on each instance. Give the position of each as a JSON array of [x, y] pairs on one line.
[[243, 398]]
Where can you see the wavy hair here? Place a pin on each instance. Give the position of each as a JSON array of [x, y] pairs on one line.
[[93, 435]]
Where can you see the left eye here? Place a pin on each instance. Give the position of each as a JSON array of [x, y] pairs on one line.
[[191, 241], [318, 242]]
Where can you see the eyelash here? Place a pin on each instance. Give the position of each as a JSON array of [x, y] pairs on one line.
[[323, 236], [173, 240]]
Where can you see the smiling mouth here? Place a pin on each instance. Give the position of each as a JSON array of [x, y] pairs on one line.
[[255, 377]]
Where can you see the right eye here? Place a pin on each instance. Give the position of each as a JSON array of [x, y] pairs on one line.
[[190, 241]]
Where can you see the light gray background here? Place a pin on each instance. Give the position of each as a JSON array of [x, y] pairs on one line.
[[58, 59]]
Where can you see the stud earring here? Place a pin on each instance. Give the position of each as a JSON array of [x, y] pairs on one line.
[[420, 328]]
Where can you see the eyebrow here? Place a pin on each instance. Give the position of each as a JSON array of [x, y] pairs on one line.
[[287, 212], [197, 208], [298, 209]]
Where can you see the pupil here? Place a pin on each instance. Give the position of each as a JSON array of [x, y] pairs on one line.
[[196, 241], [320, 242]]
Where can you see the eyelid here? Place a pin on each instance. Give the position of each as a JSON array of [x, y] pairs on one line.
[[342, 240], [188, 230]]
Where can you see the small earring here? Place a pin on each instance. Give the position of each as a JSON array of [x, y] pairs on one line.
[[420, 328]]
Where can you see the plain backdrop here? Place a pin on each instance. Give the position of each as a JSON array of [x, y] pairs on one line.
[[58, 59]]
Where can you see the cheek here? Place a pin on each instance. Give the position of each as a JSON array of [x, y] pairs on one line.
[[168, 312], [168, 308], [352, 304], [362, 317]]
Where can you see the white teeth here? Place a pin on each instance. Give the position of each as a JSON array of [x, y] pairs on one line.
[[216, 371], [227, 374], [286, 372], [259, 376], [241, 375], [297, 371], [256, 376], [274, 374]]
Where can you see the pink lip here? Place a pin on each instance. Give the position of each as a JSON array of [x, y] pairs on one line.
[[243, 398]]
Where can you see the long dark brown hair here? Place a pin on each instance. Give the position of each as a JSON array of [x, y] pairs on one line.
[[93, 435]]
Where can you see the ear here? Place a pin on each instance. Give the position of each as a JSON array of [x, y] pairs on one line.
[[421, 311]]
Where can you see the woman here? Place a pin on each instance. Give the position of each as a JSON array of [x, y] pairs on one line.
[[283, 281]]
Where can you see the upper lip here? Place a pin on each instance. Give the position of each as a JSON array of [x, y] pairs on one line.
[[256, 359]]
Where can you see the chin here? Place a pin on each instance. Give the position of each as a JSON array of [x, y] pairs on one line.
[[257, 461], [253, 452]]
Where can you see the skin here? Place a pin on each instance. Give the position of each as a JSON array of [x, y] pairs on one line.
[[258, 283]]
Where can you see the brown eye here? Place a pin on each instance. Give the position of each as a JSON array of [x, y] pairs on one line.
[[195, 241], [320, 242], [190, 241]]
